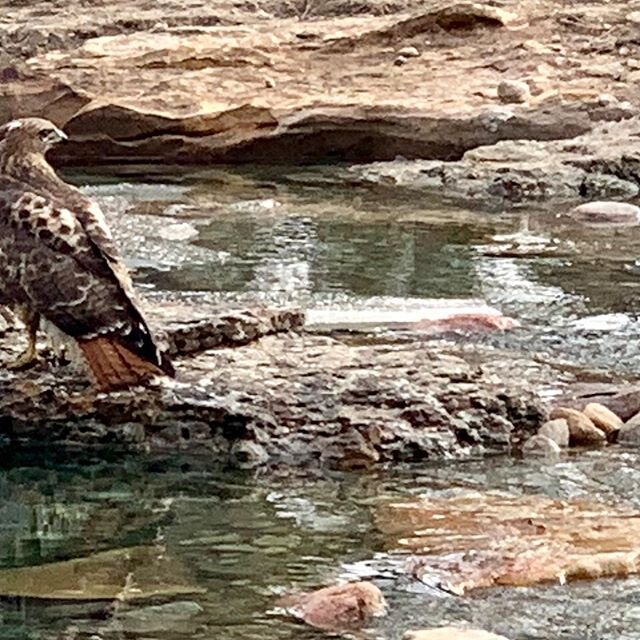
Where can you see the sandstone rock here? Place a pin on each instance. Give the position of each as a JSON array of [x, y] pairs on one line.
[[513, 91], [557, 430], [475, 540], [582, 431], [603, 418], [607, 212], [451, 633], [400, 61], [340, 607], [409, 52], [540, 445]]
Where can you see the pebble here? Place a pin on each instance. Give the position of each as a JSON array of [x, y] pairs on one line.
[[603, 418], [634, 17], [513, 91], [269, 83], [540, 445], [409, 52], [556, 430], [451, 633], [400, 60], [581, 430], [606, 100]]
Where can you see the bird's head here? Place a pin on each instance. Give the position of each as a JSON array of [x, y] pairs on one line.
[[30, 135]]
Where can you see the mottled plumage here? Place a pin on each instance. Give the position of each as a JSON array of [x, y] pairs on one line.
[[58, 261]]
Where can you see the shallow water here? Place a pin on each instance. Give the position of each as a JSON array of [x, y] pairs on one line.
[[297, 237]]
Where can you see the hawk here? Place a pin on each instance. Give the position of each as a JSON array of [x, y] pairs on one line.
[[58, 261]]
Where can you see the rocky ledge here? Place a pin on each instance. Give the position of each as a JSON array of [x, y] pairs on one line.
[[315, 81], [258, 388]]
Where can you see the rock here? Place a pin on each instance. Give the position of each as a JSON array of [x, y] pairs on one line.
[[451, 633], [606, 99], [149, 571], [399, 61], [513, 91], [345, 606], [604, 419], [180, 231], [629, 434], [582, 431], [453, 539], [557, 430], [606, 212], [173, 616], [409, 52], [540, 445], [269, 83]]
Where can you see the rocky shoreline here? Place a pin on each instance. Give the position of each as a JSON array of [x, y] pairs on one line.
[[255, 388], [326, 82]]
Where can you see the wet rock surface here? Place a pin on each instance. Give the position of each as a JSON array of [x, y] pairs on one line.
[[475, 540], [291, 398]]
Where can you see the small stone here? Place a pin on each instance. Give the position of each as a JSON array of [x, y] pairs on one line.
[[581, 430], [269, 83], [629, 433], [603, 418], [399, 61], [606, 100], [409, 52], [451, 633], [624, 51], [539, 445], [513, 91], [556, 430]]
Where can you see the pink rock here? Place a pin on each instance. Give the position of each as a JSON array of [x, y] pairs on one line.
[[345, 606]]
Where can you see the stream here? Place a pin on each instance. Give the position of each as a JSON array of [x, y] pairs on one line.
[[303, 237]]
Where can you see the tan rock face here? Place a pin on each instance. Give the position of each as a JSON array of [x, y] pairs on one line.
[[582, 431], [451, 633], [479, 540], [185, 82], [339, 607], [557, 430]]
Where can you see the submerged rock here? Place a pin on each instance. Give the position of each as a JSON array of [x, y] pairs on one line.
[[134, 573], [477, 540], [345, 606]]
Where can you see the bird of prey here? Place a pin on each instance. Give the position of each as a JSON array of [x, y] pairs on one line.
[[58, 261]]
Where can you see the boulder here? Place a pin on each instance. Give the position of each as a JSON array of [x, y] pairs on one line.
[[346, 606], [603, 418], [557, 430], [540, 445], [607, 212], [582, 431], [513, 91]]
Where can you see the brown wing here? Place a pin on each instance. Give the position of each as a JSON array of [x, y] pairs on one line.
[[60, 271]]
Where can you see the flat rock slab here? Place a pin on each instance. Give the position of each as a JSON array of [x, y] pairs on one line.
[[182, 83], [270, 393], [478, 540], [134, 573]]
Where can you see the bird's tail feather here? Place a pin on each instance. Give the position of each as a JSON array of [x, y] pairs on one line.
[[116, 367]]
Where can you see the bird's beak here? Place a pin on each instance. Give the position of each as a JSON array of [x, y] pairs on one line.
[[55, 137]]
